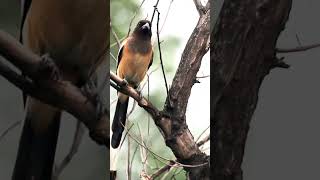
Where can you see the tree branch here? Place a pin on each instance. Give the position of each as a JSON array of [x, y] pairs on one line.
[[15, 124], [161, 171], [59, 93], [172, 163], [189, 67], [297, 49], [142, 102], [160, 54], [115, 36], [77, 139], [200, 8], [134, 16], [154, 10], [204, 140]]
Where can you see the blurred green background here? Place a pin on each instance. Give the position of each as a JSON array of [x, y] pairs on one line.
[[91, 161]]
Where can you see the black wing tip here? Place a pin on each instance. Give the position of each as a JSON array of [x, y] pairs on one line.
[[115, 140]]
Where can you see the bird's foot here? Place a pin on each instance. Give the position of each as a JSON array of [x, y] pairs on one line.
[[139, 90], [48, 69], [91, 91], [124, 83]]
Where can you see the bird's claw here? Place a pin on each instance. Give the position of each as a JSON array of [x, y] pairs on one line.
[[48, 69], [90, 90], [124, 83]]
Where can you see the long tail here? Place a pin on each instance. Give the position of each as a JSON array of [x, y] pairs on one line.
[[38, 142], [119, 121]]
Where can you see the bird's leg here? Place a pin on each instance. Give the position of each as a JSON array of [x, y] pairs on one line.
[[90, 90], [139, 91], [48, 69]]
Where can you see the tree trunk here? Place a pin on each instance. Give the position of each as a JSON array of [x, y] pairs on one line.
[[243, 53]]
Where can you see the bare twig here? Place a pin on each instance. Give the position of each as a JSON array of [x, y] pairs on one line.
[[199, 6], [298, 40], [133, 155], [160, 54], [204, 140], [115, 36], [167, 167], [125, 135], [115, 43], [297, 49], [113, 57], [161, 171], [113, 101], [148, 100], [132, 109], [200, 77], [166, 17], [154, 10], [77, 139], [128, 161], [134, 16], [165, 159], [202, 133], [176, 174], [144, 154], [12, 126], [208, 4]]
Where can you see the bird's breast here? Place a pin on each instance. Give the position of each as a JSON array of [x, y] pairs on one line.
[[73, 33], [133, 67]]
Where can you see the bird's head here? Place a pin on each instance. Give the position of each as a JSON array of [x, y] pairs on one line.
[[143, 29]]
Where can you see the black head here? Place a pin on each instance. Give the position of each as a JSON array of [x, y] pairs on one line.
[[143, 29]]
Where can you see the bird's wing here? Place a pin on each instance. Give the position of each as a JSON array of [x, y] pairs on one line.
[[151, 61], [25, 5], [121, 51]]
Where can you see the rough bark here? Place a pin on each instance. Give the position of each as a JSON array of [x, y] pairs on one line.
[[243, 52], [176, 133]]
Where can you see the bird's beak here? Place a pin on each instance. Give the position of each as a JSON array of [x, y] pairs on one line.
[[146, 26]]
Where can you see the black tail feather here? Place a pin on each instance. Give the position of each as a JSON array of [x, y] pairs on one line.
[[36, 151], [119, 122]]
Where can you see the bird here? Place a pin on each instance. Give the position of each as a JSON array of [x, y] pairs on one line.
[[75, 35], [134, 59]]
